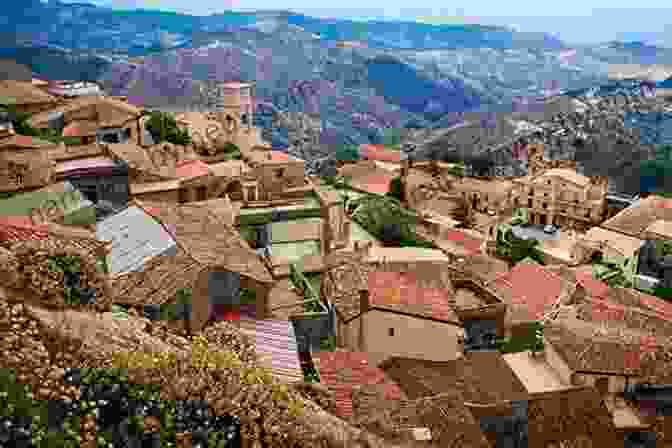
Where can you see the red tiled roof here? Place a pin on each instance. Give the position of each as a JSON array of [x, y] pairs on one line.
[[658, 305], [377, 183], [279, 156], [81, 128], [20, 228], [470, 243], [191, 168], [664, 203], [379, 153], [603, 310], [342, 371], [401, 291], [531, 285], [594, 287]]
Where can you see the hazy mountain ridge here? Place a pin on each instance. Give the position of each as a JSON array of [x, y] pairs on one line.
[[405, 72]]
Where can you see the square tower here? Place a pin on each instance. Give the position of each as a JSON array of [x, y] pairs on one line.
[[234, 106]]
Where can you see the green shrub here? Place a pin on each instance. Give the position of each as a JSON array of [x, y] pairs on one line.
[[163, 128], [396, 189]]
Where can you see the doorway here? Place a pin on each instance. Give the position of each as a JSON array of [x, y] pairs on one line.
[[542, 220]]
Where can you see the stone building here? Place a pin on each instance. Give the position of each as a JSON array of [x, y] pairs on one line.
[[24, 162], [562, 197], [234, 109]]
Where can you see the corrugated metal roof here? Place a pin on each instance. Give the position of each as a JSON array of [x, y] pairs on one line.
[[275, 345], [136, 238], [85, 164]]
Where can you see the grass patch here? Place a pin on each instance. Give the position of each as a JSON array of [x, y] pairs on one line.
[[295, 251]]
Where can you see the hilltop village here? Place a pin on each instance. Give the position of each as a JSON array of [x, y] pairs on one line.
[[400, 303]]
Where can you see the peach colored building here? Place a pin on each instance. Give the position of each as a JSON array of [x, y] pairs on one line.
[[398, 310]]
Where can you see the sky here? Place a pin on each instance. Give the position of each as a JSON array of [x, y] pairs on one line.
[[575, 21]]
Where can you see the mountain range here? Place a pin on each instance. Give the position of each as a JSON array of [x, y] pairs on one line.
[[358, 77]]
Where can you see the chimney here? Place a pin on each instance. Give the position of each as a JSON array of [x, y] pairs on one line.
[[364, 300]]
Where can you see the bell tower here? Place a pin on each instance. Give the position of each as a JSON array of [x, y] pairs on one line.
[[234, 108]]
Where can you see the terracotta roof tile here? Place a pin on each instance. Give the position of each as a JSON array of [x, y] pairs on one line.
[[80, 128], [594, 287], [577, 417], [403, 291], [20, 228], [479, 377], [380, 153], [532, 286], [208, 238], [191, 168], [450, 423], [342, 371], [376, 183], [470, 243]]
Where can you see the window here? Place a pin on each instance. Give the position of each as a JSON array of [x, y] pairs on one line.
[[111, 137], [390, 331], [545, 205], [279, 172]]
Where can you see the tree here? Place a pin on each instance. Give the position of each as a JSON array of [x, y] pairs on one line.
[[163, 128], [384, 217], [654, 173], [397, 189], [392, 137], [347, 153], [516, 249], [456, 170]]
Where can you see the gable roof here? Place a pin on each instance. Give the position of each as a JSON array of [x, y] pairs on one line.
[[465, 243], [380, 153], [661, 227], [636, 218], [341, 371], [411, 294], [191, 168], [449, 422], [367, 176], [106, 111], [137, 158], [593, 347], [136, 238], [483, 267], [530, 285], [416, 289], [577, 416], [80, 128], [23, 92], [624, 244], [208, 239], [482, 377], [157, 280]]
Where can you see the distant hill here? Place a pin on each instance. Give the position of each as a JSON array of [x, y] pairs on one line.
[[9, 69]]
